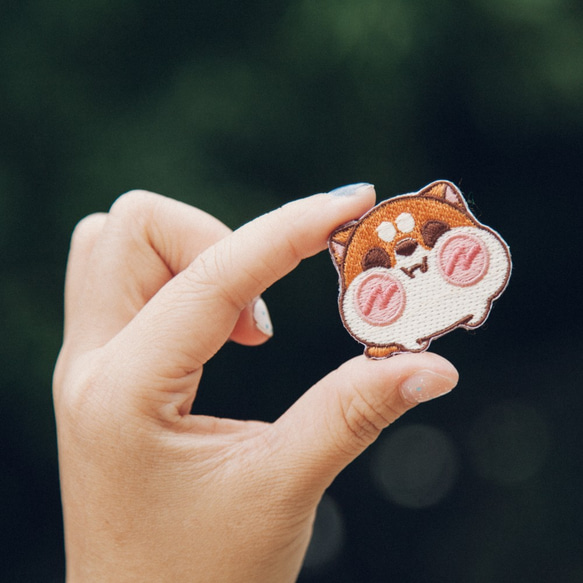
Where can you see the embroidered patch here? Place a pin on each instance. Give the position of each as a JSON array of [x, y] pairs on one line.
[[415, 267]]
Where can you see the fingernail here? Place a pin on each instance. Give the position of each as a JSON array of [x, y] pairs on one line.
[[425, 385], [261, 318], [350, 189]]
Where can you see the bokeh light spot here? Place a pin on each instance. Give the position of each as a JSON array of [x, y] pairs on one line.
[[415, 466], [327, 537]]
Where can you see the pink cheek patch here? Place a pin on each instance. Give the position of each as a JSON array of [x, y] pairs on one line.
[[463, 260], [379, 299]]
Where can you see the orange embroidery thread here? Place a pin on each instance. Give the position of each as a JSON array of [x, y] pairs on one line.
[[416, 267]]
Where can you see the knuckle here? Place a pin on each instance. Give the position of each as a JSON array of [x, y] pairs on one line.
[[129, 202], [291, 246], [132, 213], [88, 402], [77, 386], [87, 228], [136, 207], [206, 275], [204, 271], [364, 420], [294, 254]]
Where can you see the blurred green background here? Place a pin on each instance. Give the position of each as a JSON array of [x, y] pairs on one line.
[[239, 107]]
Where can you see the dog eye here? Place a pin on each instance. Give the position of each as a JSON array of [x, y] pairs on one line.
[[405, 223], [376, 257], [432, 230]]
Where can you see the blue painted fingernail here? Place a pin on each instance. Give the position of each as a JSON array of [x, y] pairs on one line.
[[261, 318], [425, 385], [350, 189]]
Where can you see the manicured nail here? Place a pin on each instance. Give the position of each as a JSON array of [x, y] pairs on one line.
[[425, 385], [261, 318], [350, 189]]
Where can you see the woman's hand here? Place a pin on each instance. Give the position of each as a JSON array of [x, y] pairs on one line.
[[152, 493]]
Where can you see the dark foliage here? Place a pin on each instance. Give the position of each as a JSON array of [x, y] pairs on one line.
[[238, 107]]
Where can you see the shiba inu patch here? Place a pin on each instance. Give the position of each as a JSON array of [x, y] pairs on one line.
[[415, 267]]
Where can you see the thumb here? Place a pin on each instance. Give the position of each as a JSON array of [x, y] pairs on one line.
[[340, 416]]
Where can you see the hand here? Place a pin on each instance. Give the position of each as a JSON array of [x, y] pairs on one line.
[[152, 493]]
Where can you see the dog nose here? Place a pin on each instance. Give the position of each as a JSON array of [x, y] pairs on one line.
[[406, 247]]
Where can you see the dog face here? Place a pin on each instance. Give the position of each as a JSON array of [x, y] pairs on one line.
[[415, 267]]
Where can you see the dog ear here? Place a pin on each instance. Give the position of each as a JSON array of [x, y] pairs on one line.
[[447, 192], [338, 241]]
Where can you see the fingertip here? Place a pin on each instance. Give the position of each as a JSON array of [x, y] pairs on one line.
[[354, 199], [381, 391], [359, 188], [417, 377], [434, 377], [431, 361], [425, 385]]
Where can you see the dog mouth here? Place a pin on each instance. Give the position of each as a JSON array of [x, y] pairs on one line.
[[421, 266]]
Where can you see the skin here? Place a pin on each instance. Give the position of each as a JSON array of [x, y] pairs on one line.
[[152, 493]]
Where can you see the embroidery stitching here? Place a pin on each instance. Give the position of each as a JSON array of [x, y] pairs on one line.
[[380, 298], [463, 260], [410, 271], [415, 267]]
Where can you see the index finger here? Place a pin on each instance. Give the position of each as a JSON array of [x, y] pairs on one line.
[[186, 323]]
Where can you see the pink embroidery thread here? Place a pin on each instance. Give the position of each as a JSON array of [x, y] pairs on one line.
[[380, 299], [463, 260]]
